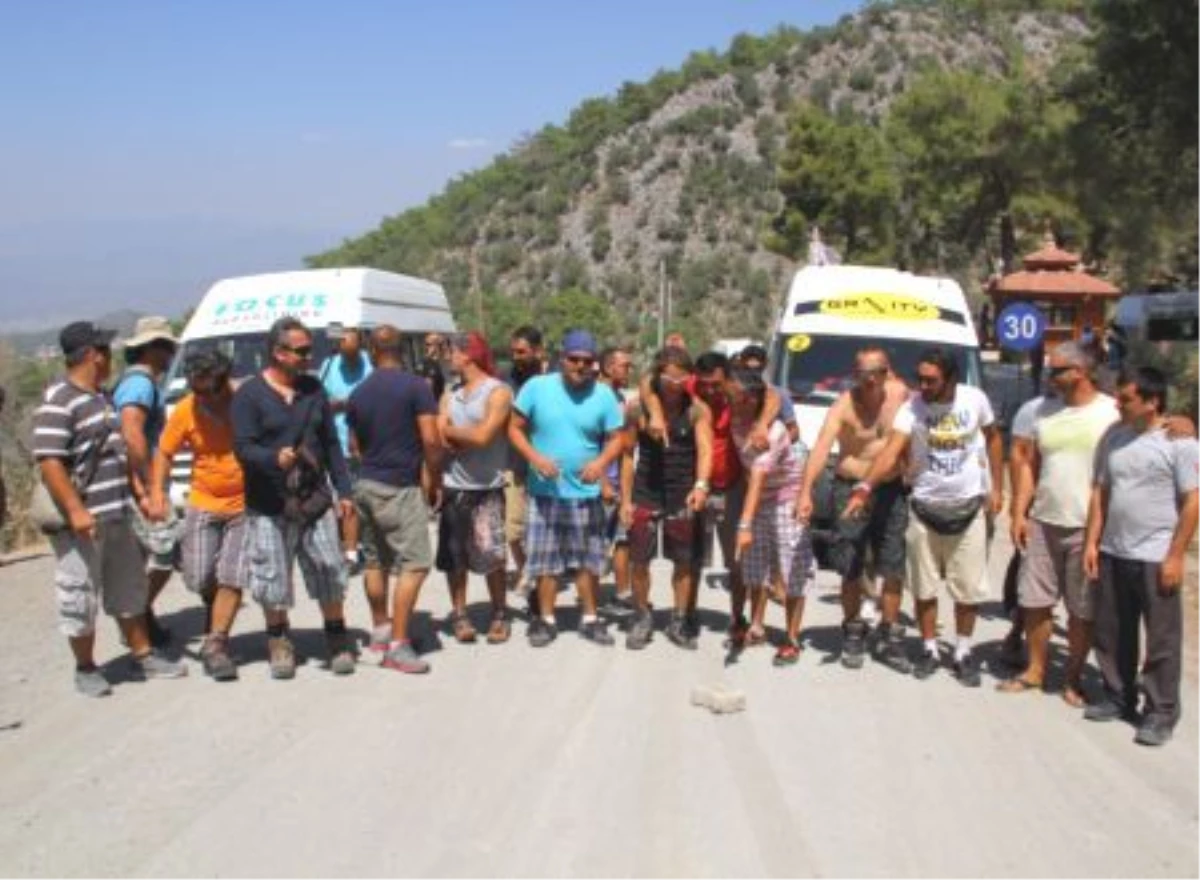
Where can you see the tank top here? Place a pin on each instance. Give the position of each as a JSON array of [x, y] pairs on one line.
[[665, 476], [475, 469]]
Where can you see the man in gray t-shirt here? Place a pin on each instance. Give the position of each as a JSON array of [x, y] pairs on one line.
[[1142, 516]]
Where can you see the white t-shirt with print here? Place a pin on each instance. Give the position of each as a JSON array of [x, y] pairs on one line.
[[948, 453], [1066, 438]]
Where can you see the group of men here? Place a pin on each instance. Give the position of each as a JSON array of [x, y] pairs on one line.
[[575, 471]]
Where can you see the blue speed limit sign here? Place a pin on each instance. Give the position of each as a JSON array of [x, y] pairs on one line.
[[1020, 327]]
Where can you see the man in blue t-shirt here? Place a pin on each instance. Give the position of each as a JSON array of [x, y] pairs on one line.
[[567, 427], [340, 375], [143, 413]]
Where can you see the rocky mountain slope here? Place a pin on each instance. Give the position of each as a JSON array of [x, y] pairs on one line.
[[678, 175]]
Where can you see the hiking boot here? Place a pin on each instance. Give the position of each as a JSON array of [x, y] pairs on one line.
[[1107, 709], [966, 670], [158, 634], [854, 643], [641, 631], [1154, 732], [596, 631], [92, 683], [889, 648], [155, 665], [282, 655], [404, 658], [926, 664], [541, 633], [676, 632], [341, 653], [218, 665]]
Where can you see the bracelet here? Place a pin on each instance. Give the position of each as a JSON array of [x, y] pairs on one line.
[[861, 487], [745, 527], [702, 485]]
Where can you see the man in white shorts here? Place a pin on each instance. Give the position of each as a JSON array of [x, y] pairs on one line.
[[949, 432]]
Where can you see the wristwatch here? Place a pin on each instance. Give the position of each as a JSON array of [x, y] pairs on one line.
[[703, 486]]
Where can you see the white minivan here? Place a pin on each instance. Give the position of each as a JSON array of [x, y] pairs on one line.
[[833, 311], [236, 313]]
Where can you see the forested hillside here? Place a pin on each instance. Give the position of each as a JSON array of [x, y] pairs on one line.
[[939, 136]]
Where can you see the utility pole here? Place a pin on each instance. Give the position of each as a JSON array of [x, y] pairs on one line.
[[663, 300]]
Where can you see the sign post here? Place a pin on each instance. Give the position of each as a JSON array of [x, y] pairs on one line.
[[1020, 326]]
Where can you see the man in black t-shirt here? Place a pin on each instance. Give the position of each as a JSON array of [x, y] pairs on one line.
[[286, 442]]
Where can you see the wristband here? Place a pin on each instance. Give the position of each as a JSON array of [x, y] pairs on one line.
[[745, 527], [862, 487]]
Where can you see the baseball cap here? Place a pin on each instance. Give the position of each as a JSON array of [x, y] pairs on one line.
[[580, 342], [84, 334]]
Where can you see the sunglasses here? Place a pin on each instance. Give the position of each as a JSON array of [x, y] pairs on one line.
[[928, 380], [1059, 371], [579, 360], [299, 350]]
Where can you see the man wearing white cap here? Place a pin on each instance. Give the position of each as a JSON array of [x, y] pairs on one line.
[[143, 413]]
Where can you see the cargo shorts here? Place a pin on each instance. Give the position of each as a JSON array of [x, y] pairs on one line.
[[107, 570]]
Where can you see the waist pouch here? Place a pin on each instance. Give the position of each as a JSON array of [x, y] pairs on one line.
[[948, 521]]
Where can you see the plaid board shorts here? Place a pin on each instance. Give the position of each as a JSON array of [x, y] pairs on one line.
[[471, 531], [564, 535], [682, 542], [274, 544], [781, 548], [213, 551]]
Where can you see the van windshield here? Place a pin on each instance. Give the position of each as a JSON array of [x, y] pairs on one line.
[[825, 367], [248, 351]]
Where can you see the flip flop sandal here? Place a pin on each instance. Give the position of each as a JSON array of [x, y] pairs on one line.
[[1017, 686], [1073, 696], [788, 654], [464, 632], [754, 638], [499, 631]]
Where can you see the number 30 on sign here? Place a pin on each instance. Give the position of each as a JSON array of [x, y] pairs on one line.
[[1020, 327]]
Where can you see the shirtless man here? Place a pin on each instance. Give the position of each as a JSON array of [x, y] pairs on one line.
[[859, 422]]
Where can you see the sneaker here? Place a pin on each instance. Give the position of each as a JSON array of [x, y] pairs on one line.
[[541, 633], [158, 634], [869, 612], [92, 683], [404, 658], [854, 643], [381, 638], [155, 665], [641, 631], [218, 665], [889, 648], [1154, 732], [926, 664], [677, 633], [966, 670], [691, 625], [282, 655], [341, 653], [1107, 709], [619, 605], [596, 631]]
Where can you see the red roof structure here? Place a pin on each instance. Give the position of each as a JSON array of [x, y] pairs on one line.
[[1054, 280]]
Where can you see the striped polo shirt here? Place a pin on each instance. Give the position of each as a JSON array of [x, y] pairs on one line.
[[67, 426]]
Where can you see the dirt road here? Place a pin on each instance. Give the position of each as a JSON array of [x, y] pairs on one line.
[[574, 760]]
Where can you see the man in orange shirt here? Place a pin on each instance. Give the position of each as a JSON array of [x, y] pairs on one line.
[[214, 564]]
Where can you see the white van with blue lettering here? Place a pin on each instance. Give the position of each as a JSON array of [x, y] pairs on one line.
[[236, 313]]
